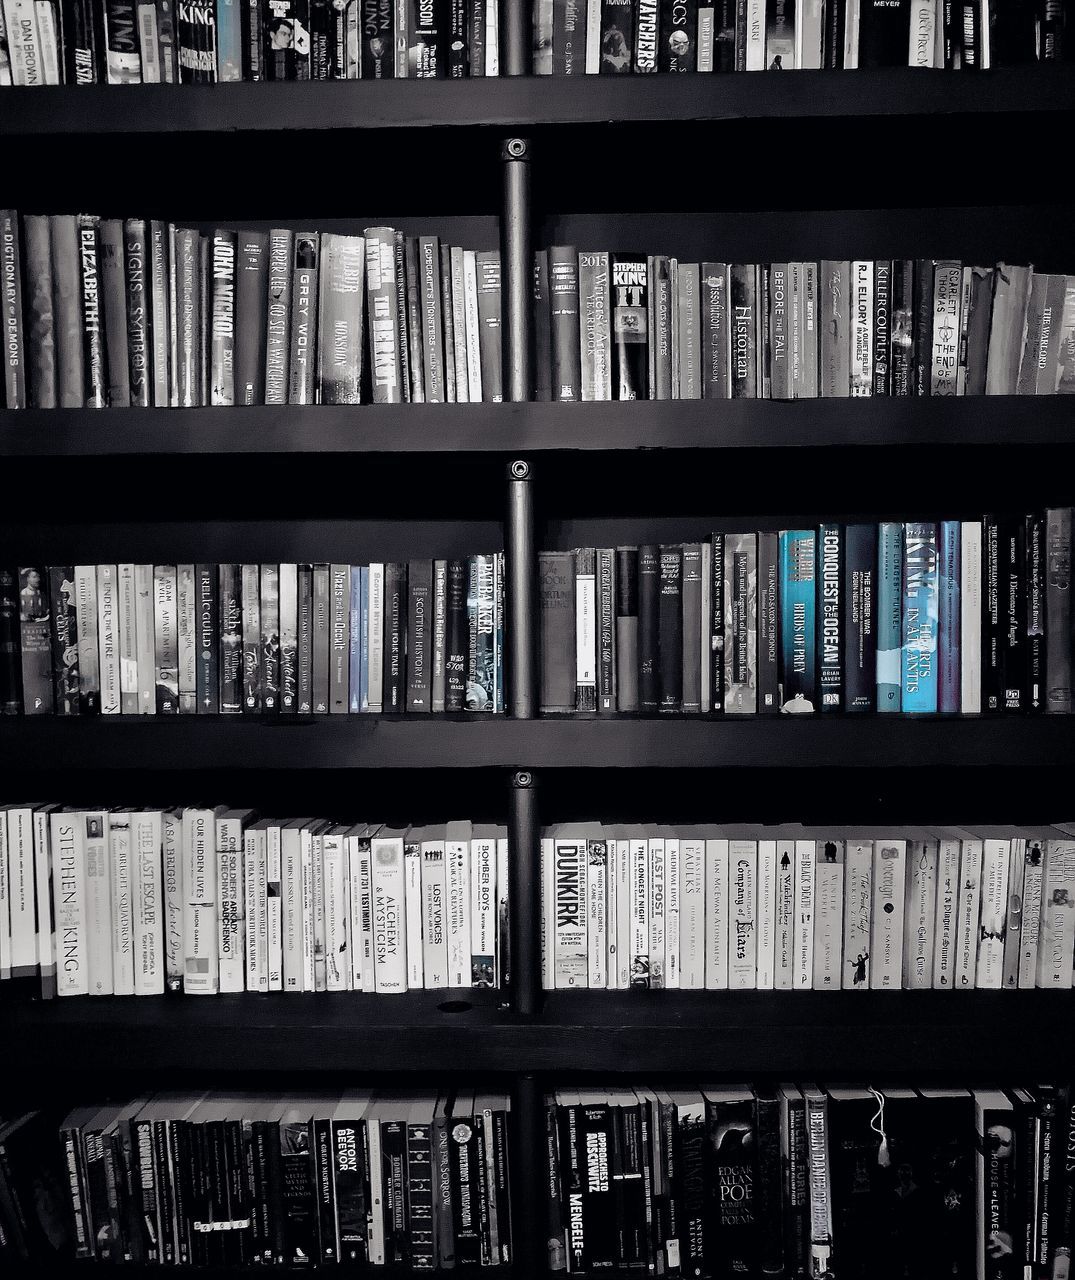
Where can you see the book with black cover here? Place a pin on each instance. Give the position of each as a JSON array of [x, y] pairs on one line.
[[629, 328]]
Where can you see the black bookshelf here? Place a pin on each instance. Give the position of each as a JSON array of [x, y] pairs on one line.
[[606, 428], [522, 103]]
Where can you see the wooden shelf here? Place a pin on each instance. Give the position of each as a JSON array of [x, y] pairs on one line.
[[51, 743], [609, 427], [530, 101], [750, 1033]]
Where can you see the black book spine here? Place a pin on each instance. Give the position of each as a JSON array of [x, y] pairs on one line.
[[627, 629], [732, 1153], [349, 1160], [502, 1185], [670, 630], [11, 311], [882, 327], [95, 387], [165, 1179], [10, 647], [325, 1189], [274, 1181], [251, 317], [144, 1175], [692, 628], [833, 35], [901, 328], [922, 354], [299, 1202], [606, 629], [395, 638], [420, 1197], [1014, 613], [769, 1191], [630, 328], [251, 638], [1058, 610], [464, 1169], [679, 36], [1037, 679], [715, 348], [598, 1205], [64, 639], [857, 604], [717, 629], [830, 617], [378, 40], [230, 625], [768, 623], [419, 634], [79, 54], [208, 641], [456, 636], [289, 639], [35, 641], [647, 23], [617, 36], [321, 637], [304, 640], [744, 304], [649, 572], [993, 612], [136, 250], [564, 323], [394, 1177], [541, 332]]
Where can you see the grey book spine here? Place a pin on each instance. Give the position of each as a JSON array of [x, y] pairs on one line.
[[302, 379], [67, 311], [556, 577], [138, 339], [489, 326], [40, 331], [340, 630], [834, 320], [606, 629], [1058, 609], [438, 682], [626, 629], [321, 642], [716, 384], [690, 345], [692, 628], [432, 314], [114, 298]]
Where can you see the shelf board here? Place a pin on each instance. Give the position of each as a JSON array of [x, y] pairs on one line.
[[465, 742], [532, 101], [751, 1032], [610, 427]]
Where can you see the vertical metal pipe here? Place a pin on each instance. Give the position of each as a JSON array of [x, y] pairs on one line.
[[523, 905], [517, 270], [528, 1164], [521, 558], [516, 45]]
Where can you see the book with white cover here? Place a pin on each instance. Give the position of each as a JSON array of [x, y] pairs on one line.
[[784, 940], [483, 906], [69, 895], [128, 639], [996, 853], [640, 909], [201, 952], [360, 899], [274, 905], [1056, 941], [672, 909], [597, 910], [968, 911], [946, 933], [231, 898], [889, 892], [43, 900], [716, 910], [920, 911], [767, 886], [743, 894], [291, 911], [658, 906], [256, 911], [457, 837], [19, 915], [570, 926], [144, 633], [692, 908], [337, 912], [547, 870], [172, 862], [98, 900], [148, 902], [412, 897], [1033, 878], [389, 912], [108, 638], [805, 857], [122, 887], [1013, 926], [858, 909], [434, 909], [828, 914], [612, 907]]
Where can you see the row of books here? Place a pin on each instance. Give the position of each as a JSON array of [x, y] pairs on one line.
[[131, 901], [935, 616], [100, 312], [74, 42], [629, 327], [287, 639], [800, 909], [419, 1181], [789, 1180], [617, 37]]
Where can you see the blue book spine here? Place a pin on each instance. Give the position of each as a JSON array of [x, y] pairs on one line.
[[889, 615], [355, 652], [229, 40], [948, 620], [920, 606], [364, 633], [798, 637]]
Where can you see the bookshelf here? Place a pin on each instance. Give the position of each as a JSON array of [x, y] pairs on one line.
[[545, 469]]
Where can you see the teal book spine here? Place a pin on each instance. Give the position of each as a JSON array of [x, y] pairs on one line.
[[798, 636], [921, 592], [889, 616]]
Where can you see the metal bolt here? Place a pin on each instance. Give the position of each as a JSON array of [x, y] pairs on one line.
[[516, 148], [523, 778], [520, 469]]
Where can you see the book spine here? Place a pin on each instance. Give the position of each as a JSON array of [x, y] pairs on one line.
[[1034, 580], [596, 335], [949, 618], [95, 375], [716, 350], [670, 629], [278, 317], [740, 622], [920, 617], [631, 339], [798, 571], [302, 376], [947, 294], [382, 302], [890, 595], [861, 321], [1058, 610], [834, 312], [186, 632], [564, 308], [830, 555], [889, 893]]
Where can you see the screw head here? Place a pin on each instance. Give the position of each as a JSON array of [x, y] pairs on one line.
[[516, 148], [520, 469], [523, 778]]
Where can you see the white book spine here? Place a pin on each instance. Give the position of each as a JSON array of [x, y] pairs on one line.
[[20, 889], [187, 636], [672, 933], [337, 913], [889, 893], [692, 913], [459, 328], [623, 913], [922, 34], [828, 916], [658, 906], [89, 660], [570, 935], [457, 866], [501, 975], [365, 915], [229, 836], [547, 929], [316, 920], [766, 915], [434, 932], [252, 888], [805, 854], [716, 915], [1013, 926], [755, 33], [376, 638], [852, 22], [784, 962], [612, 954], [69, 896], [145, 656], [98, 902], [354, 905], [970, 623], [389, 915], [5, 908], [743, 952], [44, 903], [483, 921], [291, 907], [858, 900], [412, 868], [995, 854], [597, 914], [470, 298], [122, 877], [1033, 879], [274, 909], [148, 904], [593, 37], [24, 44], [705, 39], [108, 639], [308, 875], [585, 632], [968, 913], [128, 640], [947, 919], [1057, 937], [201, 956], [172, 861], [920, 915]]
